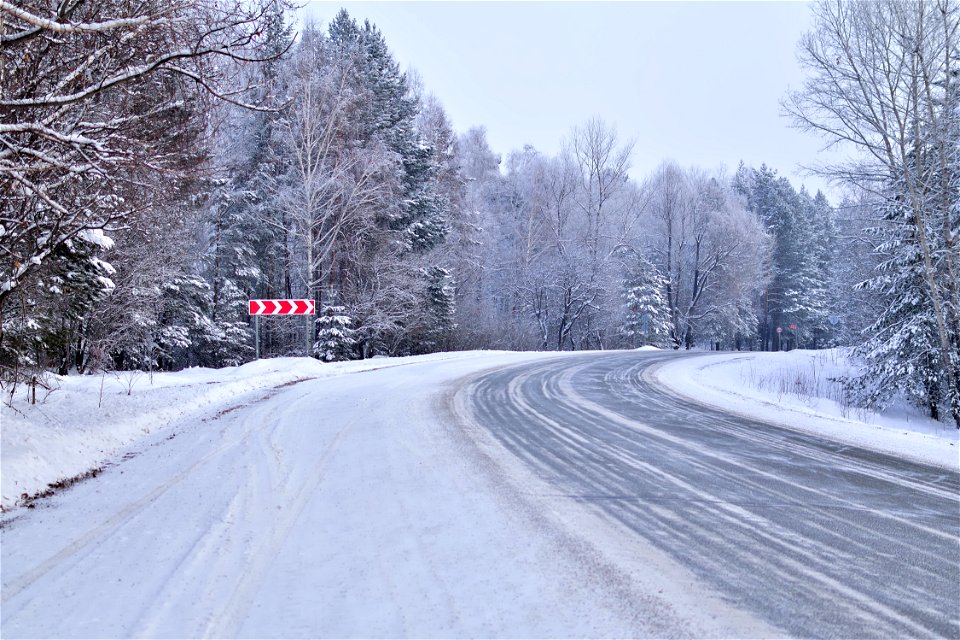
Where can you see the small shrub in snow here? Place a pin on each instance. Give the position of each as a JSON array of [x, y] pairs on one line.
[[335, 337], [129, 379]]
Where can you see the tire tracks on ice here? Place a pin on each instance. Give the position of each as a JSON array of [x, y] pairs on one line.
[[707, 488]]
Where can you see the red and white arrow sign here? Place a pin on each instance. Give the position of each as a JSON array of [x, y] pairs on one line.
[[282, 307]]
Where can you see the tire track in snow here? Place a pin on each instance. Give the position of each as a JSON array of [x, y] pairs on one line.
[[640, 378], [740, 470], [228, 620], [820, 539], [442, 600], [213, 554], [113, 525]]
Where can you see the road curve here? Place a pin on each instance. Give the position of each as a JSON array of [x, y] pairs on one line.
[[818, 538]]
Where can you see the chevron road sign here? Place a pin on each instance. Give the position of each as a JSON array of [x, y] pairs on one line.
[[282, 307], [259, 308]]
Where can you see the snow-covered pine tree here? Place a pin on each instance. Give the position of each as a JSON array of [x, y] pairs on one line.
[[48, 328], [231, 267], [424, 219], [824, 240], [186, 334], [853, 309], [808, 239], [335, 337], [82, 280], [250, 248], [901, 348], [904, 348], [647, 315], [243, 253], [440, 309], [388, 114], [897, 125], [797, 293]]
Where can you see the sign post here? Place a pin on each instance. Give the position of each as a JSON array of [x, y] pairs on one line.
[[259, 308]]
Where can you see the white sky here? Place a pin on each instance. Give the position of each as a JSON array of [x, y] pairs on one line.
[[698, 82]]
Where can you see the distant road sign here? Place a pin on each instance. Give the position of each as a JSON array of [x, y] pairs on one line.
[[282, 307], [779, 329]]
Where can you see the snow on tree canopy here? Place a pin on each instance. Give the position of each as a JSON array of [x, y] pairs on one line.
[[335, 337], [97, 238]]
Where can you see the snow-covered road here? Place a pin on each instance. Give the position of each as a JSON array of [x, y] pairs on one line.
[[486, 494], [356, 506]]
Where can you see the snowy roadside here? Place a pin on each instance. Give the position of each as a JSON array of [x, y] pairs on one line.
[[795, 389], [81, 425]]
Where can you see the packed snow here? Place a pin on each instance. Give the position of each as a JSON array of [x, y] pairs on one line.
[[81, 422], [354, 505], [800, 389]]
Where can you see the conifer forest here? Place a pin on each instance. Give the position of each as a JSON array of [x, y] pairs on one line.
[[162, 162]]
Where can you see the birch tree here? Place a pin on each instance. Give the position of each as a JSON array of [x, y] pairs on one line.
[[332, 183], [882, 82]]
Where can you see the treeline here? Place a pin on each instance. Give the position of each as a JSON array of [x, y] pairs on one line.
[[162, 165], [574, 254]]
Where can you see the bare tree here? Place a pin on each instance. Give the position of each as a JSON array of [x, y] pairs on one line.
[[605, 213], [709, 247], [332, 183], [94, 99], [602, 170]]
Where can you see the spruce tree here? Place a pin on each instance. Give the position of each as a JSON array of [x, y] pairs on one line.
[[388, 115], [901, 348], [647, 316], [440, 309], [335, 337], [798, 294], [51, 324]]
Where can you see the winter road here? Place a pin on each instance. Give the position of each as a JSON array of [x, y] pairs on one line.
[[816, 538], [489, 495]]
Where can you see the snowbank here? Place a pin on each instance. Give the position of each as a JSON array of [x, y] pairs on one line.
[[89, 420], [798, 389]]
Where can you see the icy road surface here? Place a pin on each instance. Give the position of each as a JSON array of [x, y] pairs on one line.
[[558, 496], [817, 538]]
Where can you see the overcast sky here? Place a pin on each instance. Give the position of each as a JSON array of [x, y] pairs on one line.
[[698, 82]]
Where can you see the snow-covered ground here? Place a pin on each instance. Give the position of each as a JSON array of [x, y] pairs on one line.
[[88, 421], [350, 506], [288, 497], [800, 389]]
